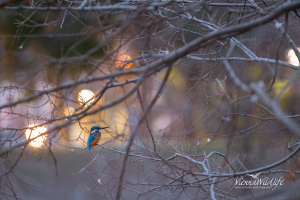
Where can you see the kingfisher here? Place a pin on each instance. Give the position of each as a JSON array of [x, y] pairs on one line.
[[94, 137]]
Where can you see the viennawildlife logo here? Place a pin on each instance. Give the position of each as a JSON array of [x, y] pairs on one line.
[[255, 182]]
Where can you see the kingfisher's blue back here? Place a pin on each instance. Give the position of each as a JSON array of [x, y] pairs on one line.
[[94, 137]]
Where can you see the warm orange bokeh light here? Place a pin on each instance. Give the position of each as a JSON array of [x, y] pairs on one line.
[[31, 133], [99, 102], [86, 97], [69, 111], [292, 58], [121, 63]]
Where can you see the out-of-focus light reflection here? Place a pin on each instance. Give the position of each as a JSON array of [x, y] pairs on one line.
[[122, 60], [176, 78], [69, 111], [292, 58], [31, 133], [85, 97]]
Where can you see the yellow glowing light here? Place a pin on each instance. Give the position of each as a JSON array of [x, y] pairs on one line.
[[292, 58], [175, 79], [69, 111], [122, 61], [31, 133], [86, 97]]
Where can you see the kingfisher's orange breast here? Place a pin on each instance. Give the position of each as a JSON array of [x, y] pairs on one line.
[[95, 142]]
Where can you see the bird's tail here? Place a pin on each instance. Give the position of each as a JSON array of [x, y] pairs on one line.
[[89, 148]]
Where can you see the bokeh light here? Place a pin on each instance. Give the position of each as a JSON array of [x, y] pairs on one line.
[[86, 97], [292, 58], [122, 60], [31, 133], [176, 78], [69, 111]]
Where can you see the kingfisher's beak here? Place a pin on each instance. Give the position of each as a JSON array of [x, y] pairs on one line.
[[104, 127]]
